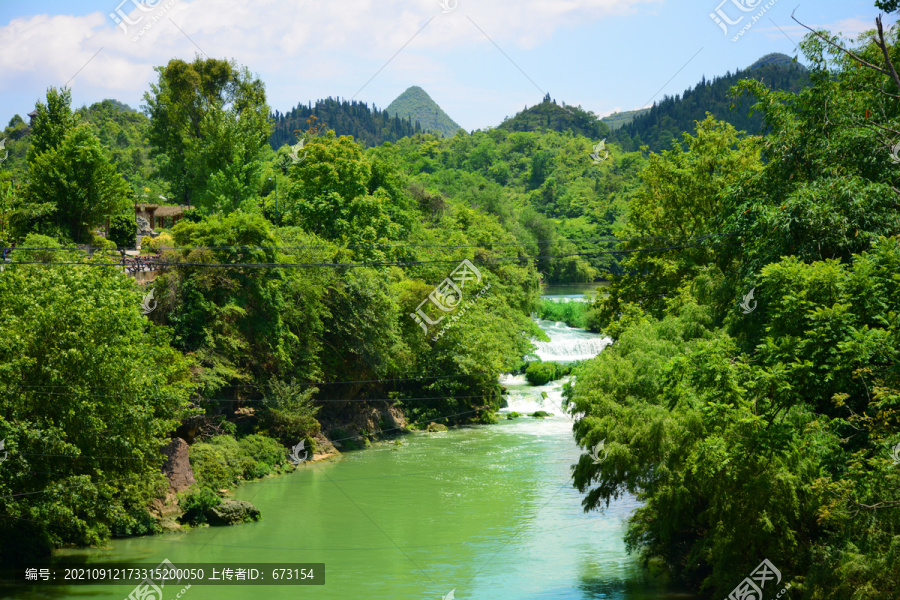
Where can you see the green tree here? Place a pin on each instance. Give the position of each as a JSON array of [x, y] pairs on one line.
[[122, 231], [53, 121], [96, 393], [209, 126], [73, 187]]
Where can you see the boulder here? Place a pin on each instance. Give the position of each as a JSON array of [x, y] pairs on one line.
[[436, 427], [231, 512]]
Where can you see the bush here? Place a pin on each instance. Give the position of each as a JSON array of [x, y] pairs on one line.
[[542, 373], [122, 231], [540, 414], [48, 250], [102, 243], [224, 461], [573, 314], [163, 240], [513, 415], [195, 503]]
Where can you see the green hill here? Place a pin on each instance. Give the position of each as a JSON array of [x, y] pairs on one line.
[[416, 104], [616, 120], [672, 116], [550, 116]]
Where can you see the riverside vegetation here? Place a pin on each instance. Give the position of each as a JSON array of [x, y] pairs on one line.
[[764, 432], [746, 436]]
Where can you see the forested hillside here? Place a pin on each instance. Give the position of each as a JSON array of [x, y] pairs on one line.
[[550, 116], [416, 105], [673, 115], [368, 125]]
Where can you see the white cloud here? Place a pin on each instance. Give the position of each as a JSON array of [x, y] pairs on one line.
[[346, 40]]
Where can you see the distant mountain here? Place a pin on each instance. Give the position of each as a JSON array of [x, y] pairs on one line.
[[776, 58], [368, 126], [416, 104], [672, 116], [616, 120], [550, 116]]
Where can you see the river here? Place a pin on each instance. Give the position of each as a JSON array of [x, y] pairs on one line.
[[487, 511]]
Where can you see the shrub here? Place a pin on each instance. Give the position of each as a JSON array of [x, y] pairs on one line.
[[573, 314], [163, 240], [102, 243], [542, 373], [122, 231], [224, 461], [540, 414], [195, 503], [46, 249]]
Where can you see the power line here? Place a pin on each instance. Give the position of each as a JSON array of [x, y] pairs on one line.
[[372, 264], [315, 383]]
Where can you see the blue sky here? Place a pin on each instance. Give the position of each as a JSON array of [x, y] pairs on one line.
[[481, 60]]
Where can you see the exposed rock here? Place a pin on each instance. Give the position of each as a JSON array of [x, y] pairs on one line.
[[392, 419], [143, 227], [170, 526], [436, 427], [231, 512], [178, 466], [324, 447]]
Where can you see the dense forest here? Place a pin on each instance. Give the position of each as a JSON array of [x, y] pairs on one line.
[[667, 119], [368, 126], [751, 397], [550, 116]]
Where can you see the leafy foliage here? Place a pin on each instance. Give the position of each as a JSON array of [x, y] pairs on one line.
[[760, 434], [209, 125], [81, 470], [122, 231]]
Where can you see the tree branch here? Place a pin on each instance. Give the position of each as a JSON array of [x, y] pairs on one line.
[[879, 41], [842, 49]]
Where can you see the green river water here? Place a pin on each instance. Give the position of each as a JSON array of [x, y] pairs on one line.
[[487, 511]]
